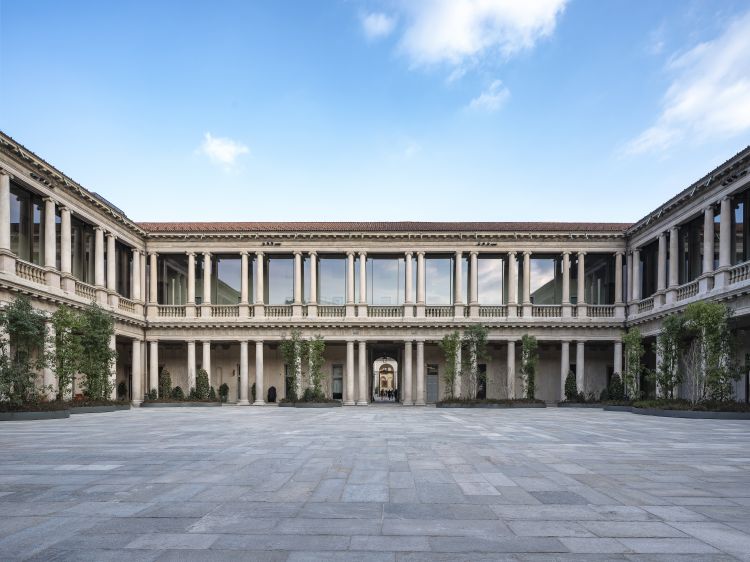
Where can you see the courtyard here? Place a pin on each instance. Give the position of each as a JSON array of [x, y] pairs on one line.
[[374, 483]]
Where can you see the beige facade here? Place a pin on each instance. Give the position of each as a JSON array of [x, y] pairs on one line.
[[576, 287]]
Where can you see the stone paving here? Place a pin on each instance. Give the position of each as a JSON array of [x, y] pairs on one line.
[[375, 483]]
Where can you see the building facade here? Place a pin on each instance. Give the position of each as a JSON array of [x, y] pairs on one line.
[[222, 296]]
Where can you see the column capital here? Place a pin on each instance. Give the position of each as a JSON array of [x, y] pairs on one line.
[[97, 227], [48, 199], [566, 252], [259, 341], [459, 252], [675, 228], [312, 253], [110, 234], [206, 254], [726, 198], [419, 341], [581, 253], [580, 341], [526, 253], [408, 254], [297, 252], [620, 253], [259, 253], [5, 172], [474, 253], [362, 254], [244, 253], [189, 341], [420, 253], [512, 253], [152, 253], [190, 254], [350, 253]]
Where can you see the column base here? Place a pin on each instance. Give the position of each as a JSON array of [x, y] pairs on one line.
[[312, 310], [297, 310], [458, 311], [408, 310], [527, 310], [189, 311], [620, 311], [7, 262], [407, 403], [659, 299], [512, 310], [113, 299], [259, 403], [52, 278], [582, 311], [136, 403], [419, 403], [705, 283], [67, 283], [243, 403], [671, 296], [362, 311], [351, 310], [101, 295], [721, 278], [152, 311], [420, 310], [349, 403], [567, 311], [473, 311], [362, 403], [205, 310]]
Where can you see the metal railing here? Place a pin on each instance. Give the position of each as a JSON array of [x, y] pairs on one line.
[[30, 271]]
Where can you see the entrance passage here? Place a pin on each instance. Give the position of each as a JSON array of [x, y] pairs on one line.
[[385, 380]]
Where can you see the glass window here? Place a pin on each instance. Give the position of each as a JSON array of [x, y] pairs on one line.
[[306, 279], [82, 250], [740, 227], [385, 281], [332, 280], [649, 268], [546, 279], [226, 281], [691, 250], [279, 284], [26, 225], [337, 383], [172, 279], [490, 280], [123, 263], [600, 279], [438, 280]]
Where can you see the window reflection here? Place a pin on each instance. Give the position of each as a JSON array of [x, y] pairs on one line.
[[226, 282], [438, 280], [490, 280], [385, 281], [332, 280], [279, 284], [546, 280]]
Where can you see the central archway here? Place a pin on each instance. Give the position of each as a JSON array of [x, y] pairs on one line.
[[385, 380]]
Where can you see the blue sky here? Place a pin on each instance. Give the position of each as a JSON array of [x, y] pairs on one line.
[[379, 110]]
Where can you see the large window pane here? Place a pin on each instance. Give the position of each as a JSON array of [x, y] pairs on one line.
[[439, 280], [741, 227], [226, 282], [123, 261], [600, 279], [172, 279], [385, 281], [490, 279], [546, 280], [280, 280], [332, 281], [649, 267], [26, 225]]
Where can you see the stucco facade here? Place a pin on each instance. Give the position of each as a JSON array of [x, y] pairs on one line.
[[77, 247]]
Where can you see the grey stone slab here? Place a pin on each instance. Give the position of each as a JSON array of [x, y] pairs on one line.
[[332, 556], [499, 544], [165, 541], [365, 493], [445, 527], [668, 546], [312, 526], [723, 537], [390, 544], [177, 555], [632, 529], [549, 529]]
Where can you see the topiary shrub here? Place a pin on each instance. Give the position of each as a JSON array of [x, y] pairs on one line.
[[212, 394], [313, 395], [122, 390], [604, 395], [177, 393], [252, 391], [224, 392], [202, 388], [616, 390], [152, 394], [165, 384], [571, 389]]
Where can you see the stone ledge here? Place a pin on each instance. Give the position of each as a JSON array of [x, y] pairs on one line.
[[99, 409], [148, 404], [21, 416], [688, 414], [309, 404], [493, 406]]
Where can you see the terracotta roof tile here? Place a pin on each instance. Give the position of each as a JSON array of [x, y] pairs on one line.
[[407, 226]]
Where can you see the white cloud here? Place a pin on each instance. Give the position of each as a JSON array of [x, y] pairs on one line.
[[709, 96], [222, 151], [377, 25], [492, 99], [458, 31]]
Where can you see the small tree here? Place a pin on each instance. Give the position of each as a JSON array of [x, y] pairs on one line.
[[451, 346], [202, 388], [292, 351], [22, 351], [709, 362], [165, 384], [529, 360], [668, 347], [571, 387], [97, 358], [634, 350], [475, 344], [68, 351], [616, 390], [314, 351]]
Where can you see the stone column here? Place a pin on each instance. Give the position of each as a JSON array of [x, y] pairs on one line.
[[244, 284], [420, 285], [144, 285], [362, 354], [259, 289], [362, 309], [113, 368], [135, 275], [66, 280], [619, 303], [581, 289], [136, 391], [243, 374], [406, 397], [153, 372], [527, 284], [111, 270], [473, 285], [705, 283], [420, 401], [297, 305], [721, 279], [312, 306], [260, 387], [190, 308], [636, 275], [206, 304], [206, 363], [51, 274], [566, 308], [349, 397], [661, 274], [153, 290], [511, 368], [190, 366], [350, 307], [512, 285], [7, 258], [408, 289], [458, 298], [629, 276], [617, 363], [580, 373], [101, 294], [564, 366], [674, 264]]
